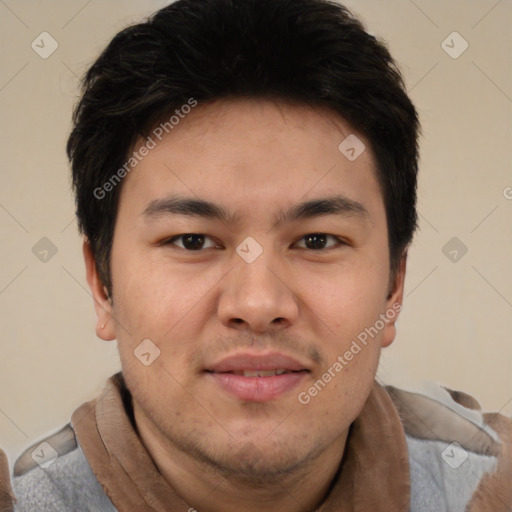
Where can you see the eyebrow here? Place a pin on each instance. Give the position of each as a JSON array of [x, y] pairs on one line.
[[179, 205]]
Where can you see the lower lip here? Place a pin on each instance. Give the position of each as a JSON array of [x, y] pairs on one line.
[[258, 389]]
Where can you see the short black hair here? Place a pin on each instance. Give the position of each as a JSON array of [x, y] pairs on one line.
[[311, 52]]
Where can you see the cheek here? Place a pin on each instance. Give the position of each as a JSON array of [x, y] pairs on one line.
[[350, 306], [350, 298], [163, 303], [336, 397], [148, 295]]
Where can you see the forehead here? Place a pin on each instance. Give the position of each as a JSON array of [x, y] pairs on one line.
[[251, 153]]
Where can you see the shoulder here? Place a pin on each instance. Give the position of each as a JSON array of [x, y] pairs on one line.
[[6, 493], [54, 475], [460, 457]]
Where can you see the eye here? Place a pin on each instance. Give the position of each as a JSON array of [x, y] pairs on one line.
[[191, 241], [196, 241], [317, 241]]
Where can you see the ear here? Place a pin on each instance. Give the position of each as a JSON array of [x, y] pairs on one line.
[[394, 303], [102, 303]]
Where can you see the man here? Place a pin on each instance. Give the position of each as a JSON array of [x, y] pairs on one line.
[[245, 179]]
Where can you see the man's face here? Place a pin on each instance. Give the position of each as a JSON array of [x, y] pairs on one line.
[[261, 291]]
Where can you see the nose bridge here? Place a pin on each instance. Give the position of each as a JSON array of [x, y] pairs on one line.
[[253, 276], [259, 269], [255, 292]]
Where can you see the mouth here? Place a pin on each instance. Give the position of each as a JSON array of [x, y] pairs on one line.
[[258, 373], [257, 377]]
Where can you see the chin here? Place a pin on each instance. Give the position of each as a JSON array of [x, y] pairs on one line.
[[258, 464]]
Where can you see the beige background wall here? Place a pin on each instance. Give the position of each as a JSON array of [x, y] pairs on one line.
[[456, 324]]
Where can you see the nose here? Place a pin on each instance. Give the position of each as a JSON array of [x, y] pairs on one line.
[[257, 297]]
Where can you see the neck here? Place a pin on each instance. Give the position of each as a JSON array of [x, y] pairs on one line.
[[209, 489]]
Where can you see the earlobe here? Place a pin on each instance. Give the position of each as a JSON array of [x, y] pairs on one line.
[[394, 303], [102, 303]]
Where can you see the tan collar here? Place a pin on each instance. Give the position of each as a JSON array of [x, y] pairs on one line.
[[373, 474]]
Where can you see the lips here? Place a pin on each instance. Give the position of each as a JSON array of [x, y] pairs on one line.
[[257, 377], [257, 362]]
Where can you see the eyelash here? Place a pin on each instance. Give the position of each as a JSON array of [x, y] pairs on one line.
[[170, 241]]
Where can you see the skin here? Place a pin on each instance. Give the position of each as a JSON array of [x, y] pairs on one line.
[[255, 158]]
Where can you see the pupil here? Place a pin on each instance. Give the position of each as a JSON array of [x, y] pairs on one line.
[[317, 241], [193, 242]]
